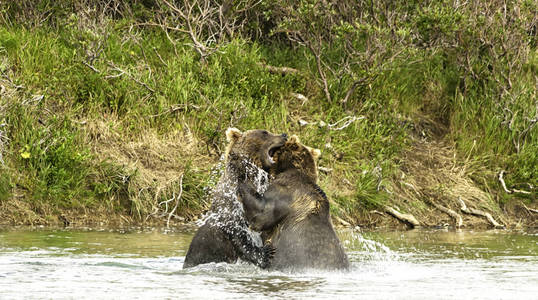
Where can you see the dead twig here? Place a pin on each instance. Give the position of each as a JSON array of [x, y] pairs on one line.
[[122, 72], [91, 67], [36, 98], [531, 210], [325, 170], [406, 218], [279, 70], [3, 141], [477, 212], [346, 122], [448, 211], [501, 180], [177, 201], [159, 56], [165, 212]]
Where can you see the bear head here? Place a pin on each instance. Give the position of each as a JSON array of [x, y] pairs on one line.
[[257, 145], [295, 155]]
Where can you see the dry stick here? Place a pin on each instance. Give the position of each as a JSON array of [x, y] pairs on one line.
[[501, 174], [321, 73], [177, 201], [407, 218], [175, 108], [121, 72], [530, 209], [352, 89], [199, 47], [91, 67], [448, 211], [346, 120], [325, 170], [159, 56], [279, 70], [477, 212], [501, 179]]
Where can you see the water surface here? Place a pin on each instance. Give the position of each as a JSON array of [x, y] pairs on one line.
[[147, 263]]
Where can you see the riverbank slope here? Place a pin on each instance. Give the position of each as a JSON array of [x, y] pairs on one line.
[[115, 113]]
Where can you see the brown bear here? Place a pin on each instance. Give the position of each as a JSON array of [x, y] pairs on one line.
[[294, 213], [225, 236]]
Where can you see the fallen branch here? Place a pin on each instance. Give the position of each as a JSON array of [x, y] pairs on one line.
[[501, 174], [532, 210], [325, 170], [477, 212], [165, 212], [177, 201], [347, 121], [406, 218], [279, 70], [448, 211], [501, 180], [91, 67]]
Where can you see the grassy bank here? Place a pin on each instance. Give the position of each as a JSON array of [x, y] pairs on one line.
[[109, 110]]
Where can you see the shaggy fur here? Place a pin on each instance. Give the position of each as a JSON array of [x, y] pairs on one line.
[[294, 212], [225, 236]]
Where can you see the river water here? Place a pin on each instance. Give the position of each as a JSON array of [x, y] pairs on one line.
[[147, 264]]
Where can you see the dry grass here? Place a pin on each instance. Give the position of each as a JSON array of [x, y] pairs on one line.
[[430, 171], [157, 161]]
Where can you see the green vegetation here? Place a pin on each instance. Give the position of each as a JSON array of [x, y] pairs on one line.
[[120, 107]]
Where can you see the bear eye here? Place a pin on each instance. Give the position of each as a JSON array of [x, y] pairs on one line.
[[265, 132]]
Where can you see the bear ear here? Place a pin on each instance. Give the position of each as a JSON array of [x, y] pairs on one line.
[[316, 153], [294, 139], [233, 134]]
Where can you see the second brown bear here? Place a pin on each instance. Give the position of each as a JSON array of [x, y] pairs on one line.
[[294, 213]]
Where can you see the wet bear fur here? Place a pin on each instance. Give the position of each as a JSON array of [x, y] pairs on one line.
[[225, 235], [294, 213]]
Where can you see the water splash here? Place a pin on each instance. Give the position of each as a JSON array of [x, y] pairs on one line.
[[363, 249], [227, 211]]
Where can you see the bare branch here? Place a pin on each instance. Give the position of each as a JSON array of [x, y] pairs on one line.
[[406, 218], [346, 122], [352, 89], [279, 70], [457, 218], [121, 72], [501, 180], [177, 201], [477, 212]]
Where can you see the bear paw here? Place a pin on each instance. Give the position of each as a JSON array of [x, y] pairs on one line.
[[268, 254]]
